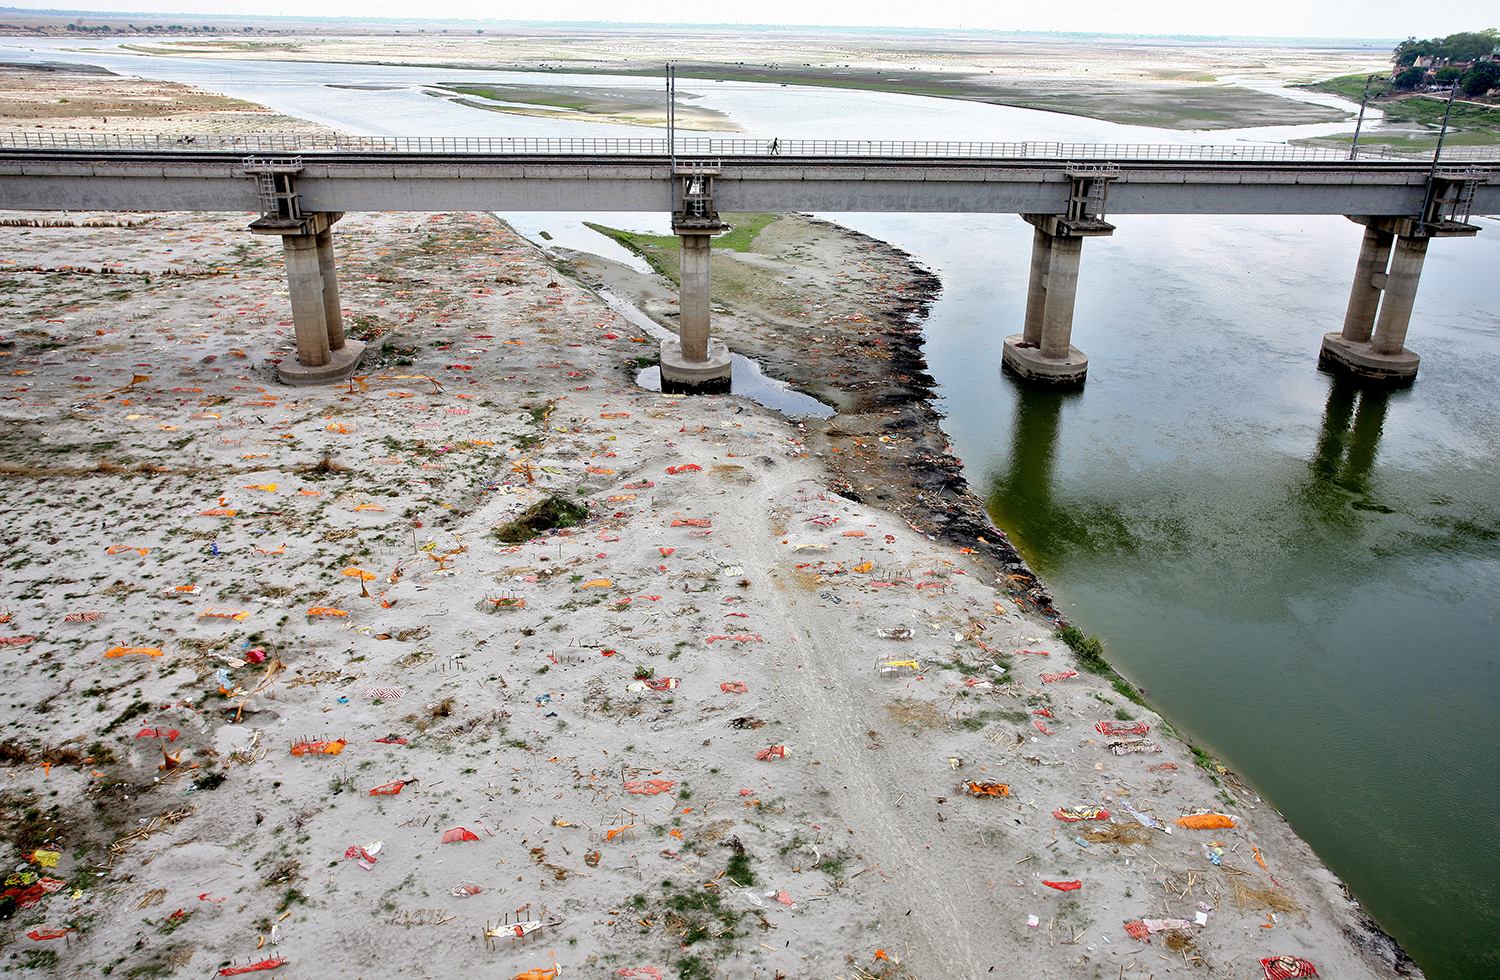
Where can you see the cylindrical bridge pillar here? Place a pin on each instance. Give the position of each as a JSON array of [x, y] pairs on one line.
[[1036, 288], [1062, 289], [1043, 352], [1400, 296], [333, 314], [695, 363], [1373, 342], [304, 279], [695, 295], [1369, 281], [324, 355]]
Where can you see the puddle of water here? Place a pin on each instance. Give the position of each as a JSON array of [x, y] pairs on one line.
[[748, 380], [566, 229]]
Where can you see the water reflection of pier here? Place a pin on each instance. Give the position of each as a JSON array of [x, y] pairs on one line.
[[1022, 498], [1353, 421]]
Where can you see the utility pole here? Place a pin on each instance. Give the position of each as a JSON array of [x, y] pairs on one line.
[[1437, 153], [1354, 147], [672, 115]]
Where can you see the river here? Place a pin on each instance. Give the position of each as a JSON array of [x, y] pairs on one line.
[[1303, 574]]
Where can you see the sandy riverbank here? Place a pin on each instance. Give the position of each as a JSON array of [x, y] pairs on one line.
[[1169, 83], [158, 481]]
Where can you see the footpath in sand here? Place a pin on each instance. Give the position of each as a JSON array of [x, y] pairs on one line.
[[726, 722]]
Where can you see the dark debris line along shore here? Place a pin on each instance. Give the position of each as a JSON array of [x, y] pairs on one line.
[[925, 478]]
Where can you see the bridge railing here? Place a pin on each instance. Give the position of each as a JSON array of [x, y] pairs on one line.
[[719, 147]]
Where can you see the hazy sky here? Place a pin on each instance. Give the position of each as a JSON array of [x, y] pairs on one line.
[[1282, 18]]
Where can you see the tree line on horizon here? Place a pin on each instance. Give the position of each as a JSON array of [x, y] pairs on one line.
[[1465, 48]]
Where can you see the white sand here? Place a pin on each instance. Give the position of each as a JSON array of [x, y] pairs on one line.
[[866, 825]]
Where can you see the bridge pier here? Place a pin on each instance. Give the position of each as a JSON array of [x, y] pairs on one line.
[[1372, 343], [1044, 353], [695, 363], [324, 355]]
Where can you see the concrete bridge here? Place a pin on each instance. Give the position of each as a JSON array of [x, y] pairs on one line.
[[301, 185]]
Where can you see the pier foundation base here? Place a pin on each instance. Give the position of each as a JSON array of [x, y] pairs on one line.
[[709, 376], [1033, 365]]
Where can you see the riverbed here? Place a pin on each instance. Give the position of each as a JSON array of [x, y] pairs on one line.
[[1300, 572]]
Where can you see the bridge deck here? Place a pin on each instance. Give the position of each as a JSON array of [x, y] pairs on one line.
[[357, 174]]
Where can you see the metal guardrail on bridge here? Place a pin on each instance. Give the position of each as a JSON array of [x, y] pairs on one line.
[[722, 147]]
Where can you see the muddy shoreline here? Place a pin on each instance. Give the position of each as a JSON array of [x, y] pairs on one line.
[[885, 446]]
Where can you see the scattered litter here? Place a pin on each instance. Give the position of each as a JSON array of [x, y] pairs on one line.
[[385, 693], [127, 651], [270, 964], [365, 855], [1049, 677], [1033, 921], [896, 633], [389, 789], [1206, 821], [325, 611], [692, 522], [170, 734], [1072, 814], [1119, 728], [785, 898], [458, 834], [685, 468], [319, 748], [363, 577], [734, 687], [1064, 886], [83, 617], [466, 889], [213, 612], [1287, 968], [45, 859], [650, 787], [773, 752], [988, 789], [38, 935], [1134, 744]]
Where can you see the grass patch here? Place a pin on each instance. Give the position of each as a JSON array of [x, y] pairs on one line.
[[1123, 688], [209, 781], [1410, 107], [544, 515], [1088, 649], [739, 868]]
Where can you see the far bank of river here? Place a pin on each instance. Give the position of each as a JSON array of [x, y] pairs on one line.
[[1301, 572]]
